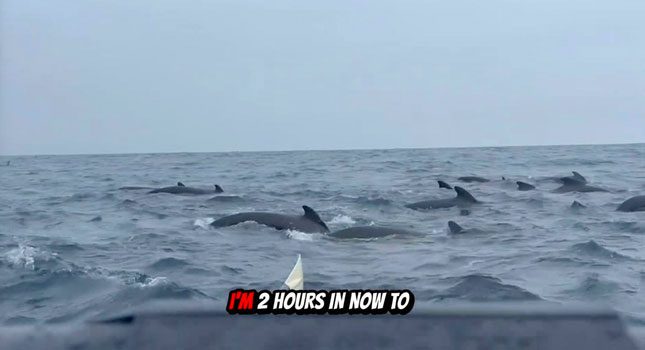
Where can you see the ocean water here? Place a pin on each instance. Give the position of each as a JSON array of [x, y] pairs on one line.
[[73, 245]]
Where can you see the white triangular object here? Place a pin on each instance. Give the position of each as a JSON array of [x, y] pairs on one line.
[[296, 279]]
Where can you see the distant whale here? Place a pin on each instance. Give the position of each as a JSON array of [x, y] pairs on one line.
[[443, 184], [577, 205], [569, 184], [633, 204], [472, 179], [183, 189], [135, 188], [310, 222], [523, 186], [455, 229], [463, 198], [576, 176], [372, 232]]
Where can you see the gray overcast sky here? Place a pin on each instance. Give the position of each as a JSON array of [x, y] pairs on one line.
[[117, 76]]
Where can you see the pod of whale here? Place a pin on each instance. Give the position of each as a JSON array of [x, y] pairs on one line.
[[372, 232], [183, 189], [462, 199], [309, 222], [636, 203]]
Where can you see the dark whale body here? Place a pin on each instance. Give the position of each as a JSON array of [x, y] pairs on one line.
[[182, 189], [443, 184], [462, 199], [633, 204], [372, 232], [523, 186], [310, 222], [472, 179], [569, 184]]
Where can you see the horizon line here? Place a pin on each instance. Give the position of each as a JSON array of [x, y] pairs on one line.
[[322, 150]]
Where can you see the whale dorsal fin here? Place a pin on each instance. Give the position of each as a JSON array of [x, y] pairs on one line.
[[313, 216], [180, 184], [577, 204], [465, 195], [218, 188], [524, 186], [577, 176], [443, 184], [454, 227]]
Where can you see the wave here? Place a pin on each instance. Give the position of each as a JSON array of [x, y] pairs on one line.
[[169, 264], [593, 249], [485, 288]]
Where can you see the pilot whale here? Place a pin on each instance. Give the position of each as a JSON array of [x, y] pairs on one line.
[[633, 204], [443, 184], [455, 229], [570, 184], [462, 199], [183, 189], [523, 186], [309, 222], [576, 176], [372, 232], [472, 179]]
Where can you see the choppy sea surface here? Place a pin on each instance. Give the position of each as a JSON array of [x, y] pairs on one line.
[[73, 245]]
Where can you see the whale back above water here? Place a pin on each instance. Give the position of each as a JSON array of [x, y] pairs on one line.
[[570, 184], [309, 222], [180, 188], [523, 186], [372, 232], [472, 179], [636, 203], [463, 198]]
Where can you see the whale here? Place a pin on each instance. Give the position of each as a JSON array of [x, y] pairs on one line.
[[455, 228], [636, 203], [134, 188], [576, 176], [523, 186], [443, 184], [309, 222], [569, 184], [372, 232], [183, 189], [577, 205], [472, 179], [463, 198]]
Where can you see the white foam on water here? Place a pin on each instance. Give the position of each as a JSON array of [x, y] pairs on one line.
[[300, 236], [342, 219], [25, 256], [203, 223]]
